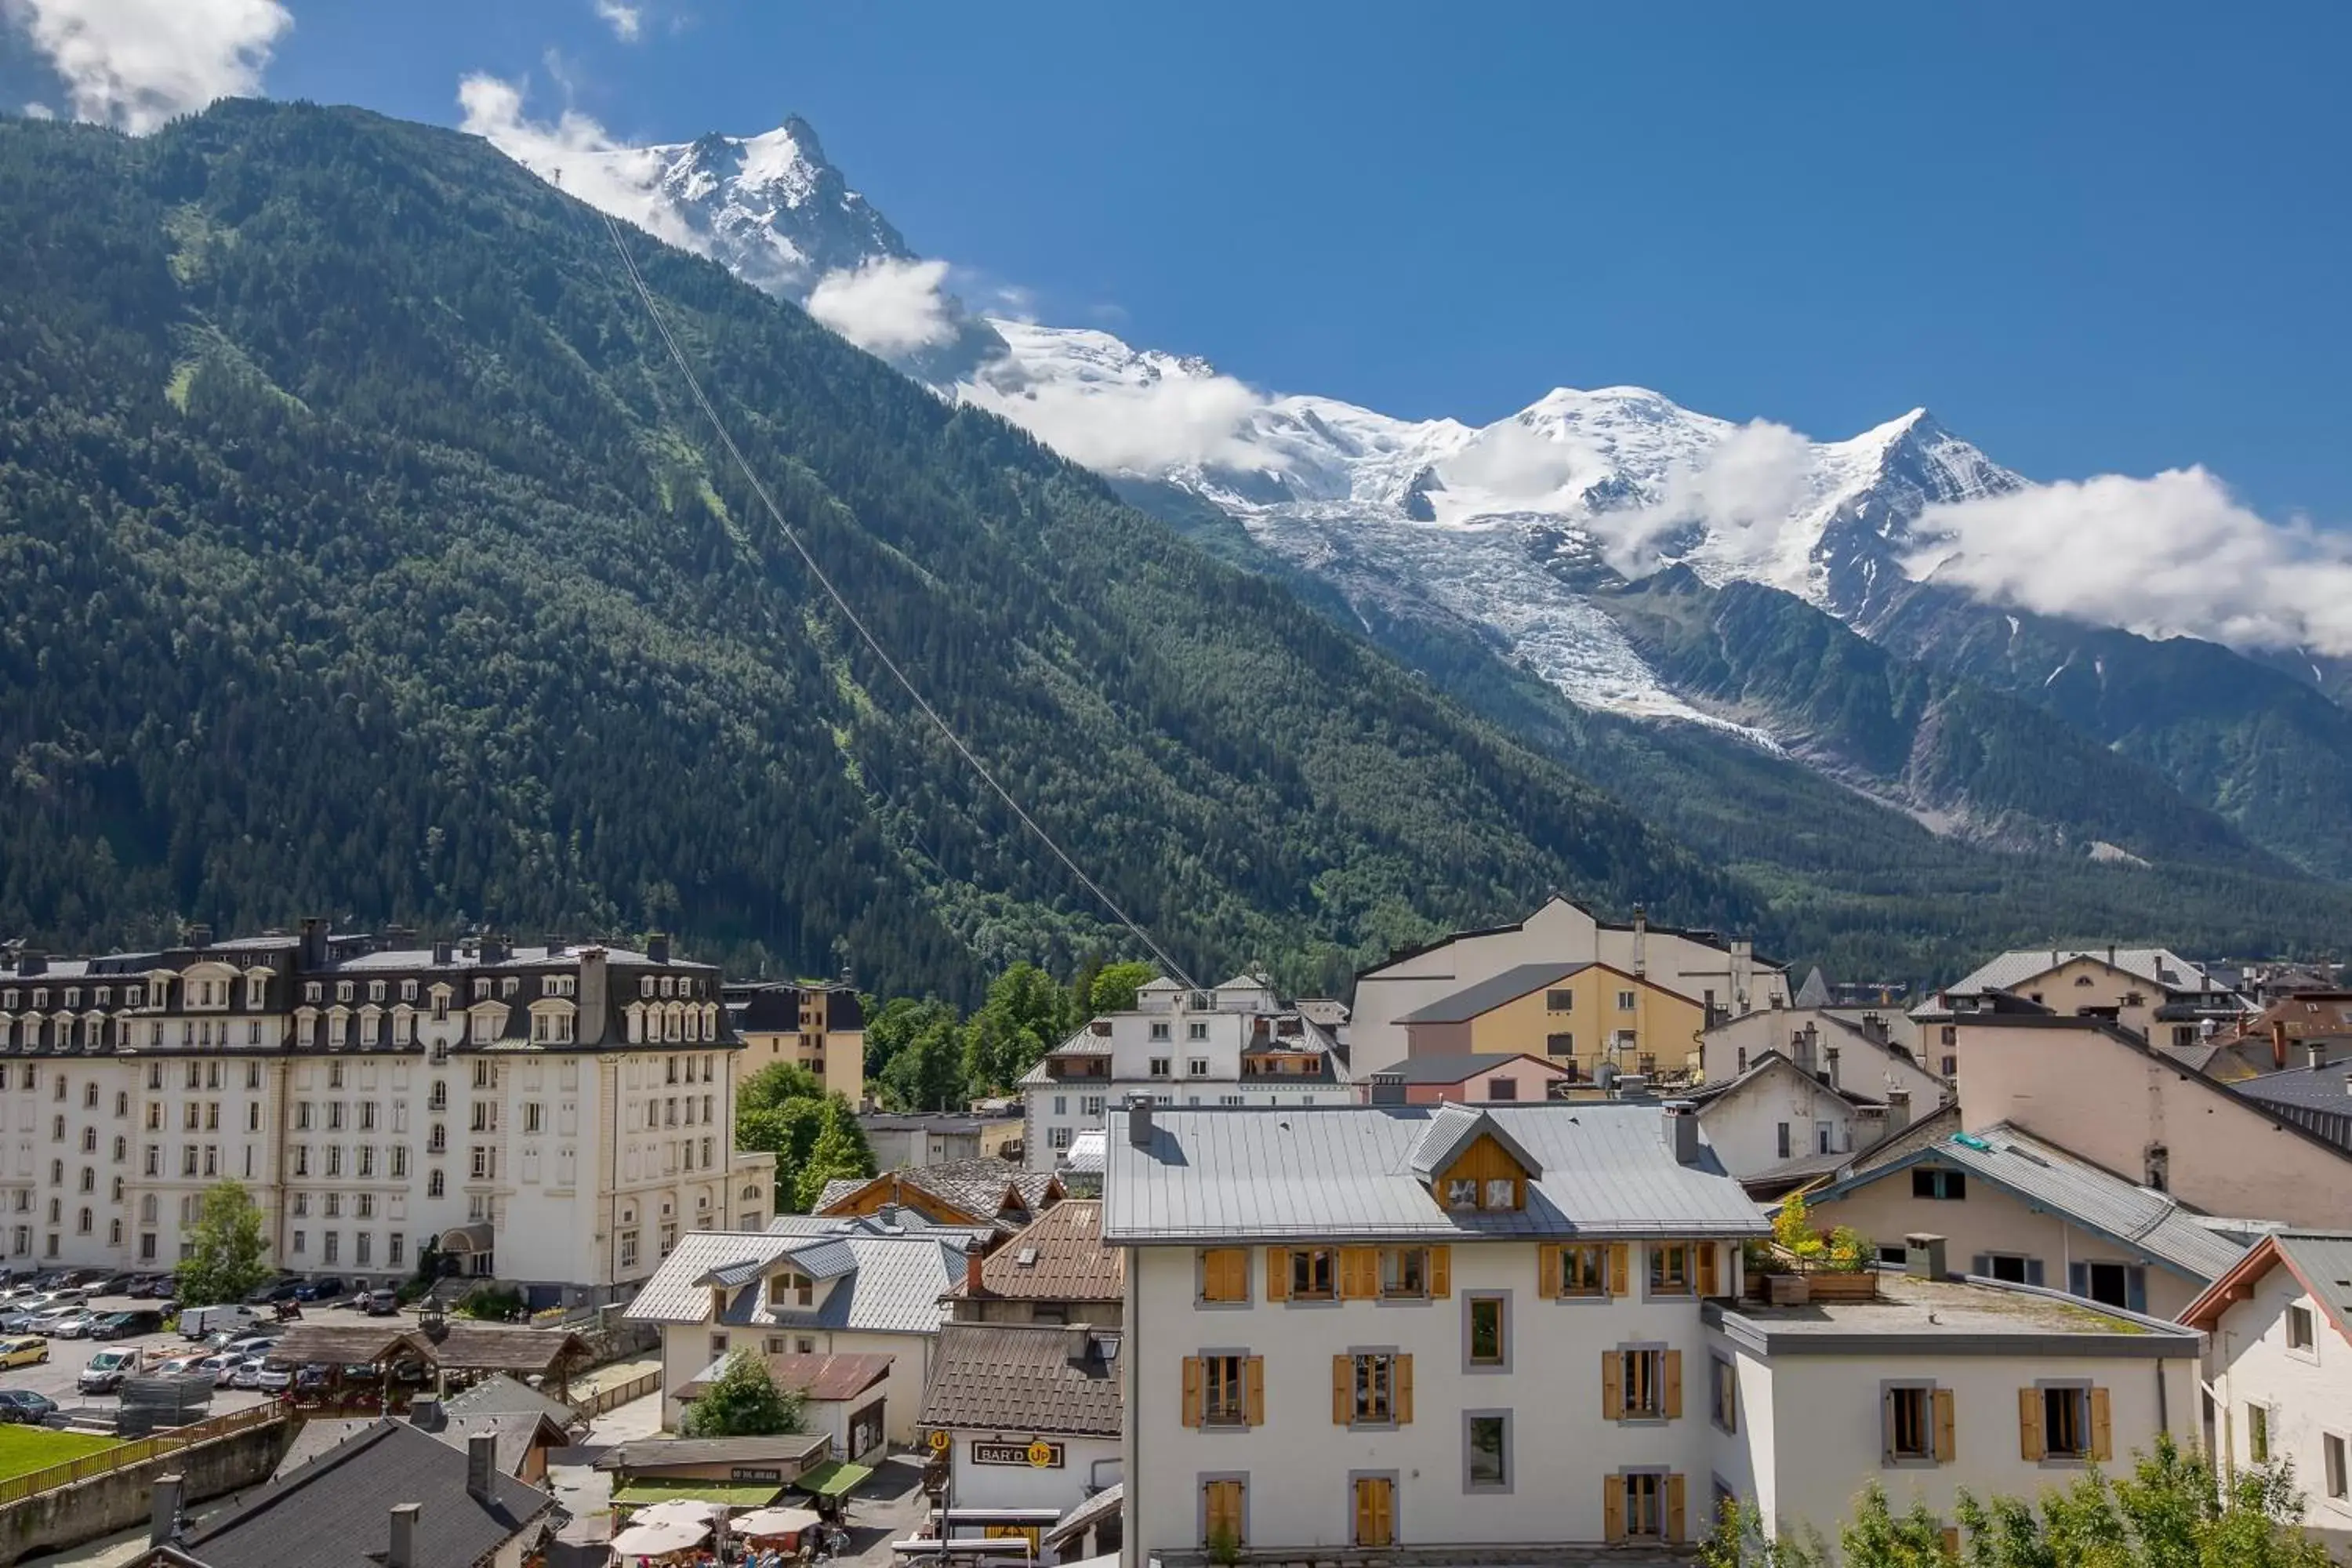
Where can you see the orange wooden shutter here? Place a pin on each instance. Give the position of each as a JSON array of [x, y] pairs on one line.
[[1947, 1448], [1675, 1495], [2028, 1426], [1621, 1269], [1441, 1272], [2103, 1435], [1237, 1259], [1613, 1387], [1403, 1391], [1706, 1281], [1277, 1274], [1547, 1270], [1360, 1273], [1253, 1388], [1343, 1389], [1613, 1508], [1673, 1360], [1192, 1391]]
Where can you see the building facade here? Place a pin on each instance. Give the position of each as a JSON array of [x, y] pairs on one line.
[[553, 1116], [1237, 1045], [1592, 1019], [820, 1028]]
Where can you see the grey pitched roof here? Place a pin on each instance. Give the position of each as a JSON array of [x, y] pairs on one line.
[[1021, 1377], [1925, 1133], [1105, 1504], [1453, 1068], [1453, 1130], [2051, 1179], [503, 1396], [2317, 1099], [336, 1511], [2322, 1259], [1346, 1172], [1769, 1062], [1472, 1001], [2160, 966], [1814, 992], [883, 1283]]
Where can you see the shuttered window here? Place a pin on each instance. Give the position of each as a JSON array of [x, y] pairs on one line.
[[1641, 1385], [1372, 1388], [1225, 1389], [1224, 1275], [2064, 1421], [1643, 1505]]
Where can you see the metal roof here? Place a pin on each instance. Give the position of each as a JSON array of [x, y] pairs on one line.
[[2054, 1180], [1103, 1505], [886, 1283], [1347, 1172], [1456, 1068], [2160, 966], [2323, 1260], [1473, 1001], [2320, 1098], [1453, 1129]]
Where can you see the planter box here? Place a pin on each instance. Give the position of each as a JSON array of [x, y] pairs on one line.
[[1787, 1289], [1843, 1287]]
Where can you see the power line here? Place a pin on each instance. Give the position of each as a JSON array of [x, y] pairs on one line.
[[694, 385]]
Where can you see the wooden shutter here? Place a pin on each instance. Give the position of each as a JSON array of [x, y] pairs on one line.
[[1441, 1272], [1706, 1281], [1360, 1273], [1948, 1447], [1675, 1496], [1621, 1269], [1951, 1543], [1343, 1389], [1277, 1274], [1547, 1270], [1192, 1391], [2103, 1435], [1886, 1427], [1612, 1386], [1612, 1509], [1402, 1393], [2028, 1426], [1673, 1360], [1254, 1389]]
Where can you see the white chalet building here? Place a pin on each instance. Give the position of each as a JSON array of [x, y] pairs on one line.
[[1237, 1045]]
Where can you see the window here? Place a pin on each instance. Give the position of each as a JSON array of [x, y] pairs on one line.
[[1487, 1332], [1374, 1389], [1670, 1270], [1642, 1383], [1224, 1513], [1624, 1001], [1486, 1451], [2007, 1267], [436, 1183], [1559, 1045], [1951, 1066], [1723, 1393], [1404, 1273], [1582, 1270], [1159, 1067], [1502, 1089], [1090, 1106], [628, 1244], [1224, 1275], [1057, 1139], [2331, 1455], [301, 1241], [2110, 1284], [1824, 1135], [1159, 1033], [2298, 1328], [1314, 1274], [790, 1289], [1560, 1001], [1198, 1067], [2258, 1434], [1224, 1393], [1914, 1423], [2064, 1421], [1951, 1185], [330, 1247], [1196, 1031]]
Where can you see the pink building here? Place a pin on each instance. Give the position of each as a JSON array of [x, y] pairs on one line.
[[1472, 1078]]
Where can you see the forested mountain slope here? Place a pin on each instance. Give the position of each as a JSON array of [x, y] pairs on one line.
[[364, 556]]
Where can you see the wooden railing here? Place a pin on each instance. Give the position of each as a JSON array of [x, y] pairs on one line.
[[619, 1394], [138, 1451]]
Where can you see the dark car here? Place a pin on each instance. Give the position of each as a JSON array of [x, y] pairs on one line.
[[325, 1290], [113, 1285], [25, 1405], [381, 1303], [277, 1290], [121, 1325]]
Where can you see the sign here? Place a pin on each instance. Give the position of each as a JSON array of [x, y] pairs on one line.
[[939, 1441], [1039, 1455], [755, 1473]]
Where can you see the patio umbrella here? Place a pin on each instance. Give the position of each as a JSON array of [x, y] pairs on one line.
[[656, 1540], [692, 1512], [773, 1521]]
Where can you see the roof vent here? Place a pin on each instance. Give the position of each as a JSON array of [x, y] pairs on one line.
[[1139, 1121]]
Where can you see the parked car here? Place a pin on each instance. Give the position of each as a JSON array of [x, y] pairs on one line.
[[286, 1289], [250, 1345], [212, 1366], [24, 1352], [64, 1296], [195, 1322], [112, 1285], [17, 1320], [382, 1304], [47, 1322], [153, 1287], [123, 1325], [25, 1405], [177, 1366], [240, 1373], [276, 1376], [106, 1371], [76, 1325], [325, 1290]]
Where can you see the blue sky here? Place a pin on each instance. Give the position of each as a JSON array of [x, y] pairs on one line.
[[2092, 238]]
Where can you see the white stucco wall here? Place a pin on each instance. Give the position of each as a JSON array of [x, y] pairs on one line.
[[1089, 1465], [1863, 1065], [1743, 1127], [686, 1350], [2307, 1393]]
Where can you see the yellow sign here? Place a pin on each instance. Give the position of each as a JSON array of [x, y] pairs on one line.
[[939, 1441], [1041, 1454]]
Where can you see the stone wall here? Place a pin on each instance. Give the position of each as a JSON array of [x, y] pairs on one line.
[[119, 1500]]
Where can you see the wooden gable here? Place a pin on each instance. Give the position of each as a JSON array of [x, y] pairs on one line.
[[1484, 1161]]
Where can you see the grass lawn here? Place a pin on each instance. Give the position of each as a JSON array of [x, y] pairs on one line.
[[27, 1449]]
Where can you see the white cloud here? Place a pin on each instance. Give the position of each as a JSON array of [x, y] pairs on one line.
[[576, 154], [886, 307], [627, 22], [135, 64], [2169, 556], [39, 112], [1144, 426]]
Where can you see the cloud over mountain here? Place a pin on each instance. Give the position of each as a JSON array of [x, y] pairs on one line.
[[135, 64]]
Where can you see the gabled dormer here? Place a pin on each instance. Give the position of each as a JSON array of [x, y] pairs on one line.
[[1471, 1165]]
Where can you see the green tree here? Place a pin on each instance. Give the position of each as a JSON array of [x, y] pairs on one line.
[[225, 1248], [840, 1151], [743, 1401], [772, 1085], [1025, 1016], [789, 1131], [895, 1026], [1737, 1541], [1114, 986], [928, 1072], [1876, 1537]]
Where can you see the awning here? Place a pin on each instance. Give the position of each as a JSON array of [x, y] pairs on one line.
[[671, 1489], [833, 1478], [476, 1237]]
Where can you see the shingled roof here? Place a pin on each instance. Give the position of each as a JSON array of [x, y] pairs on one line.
[[1026, 1377], [1059, 1257]]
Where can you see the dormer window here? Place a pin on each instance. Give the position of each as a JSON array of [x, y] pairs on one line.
[[791, 1289]]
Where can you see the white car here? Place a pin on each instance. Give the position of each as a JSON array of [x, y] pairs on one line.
[[76, 1325]]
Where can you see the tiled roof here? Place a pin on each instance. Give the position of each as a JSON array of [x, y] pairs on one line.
[[1447, 1069], [1346, 1172], [1059, 1257], [984, 1188], [336, 1512], [1473, 1001], [2055, 1180], [2160, 966], [1021, 1377]]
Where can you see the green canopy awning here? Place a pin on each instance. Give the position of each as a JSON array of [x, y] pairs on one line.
[[833, 1478], [671, 1489]]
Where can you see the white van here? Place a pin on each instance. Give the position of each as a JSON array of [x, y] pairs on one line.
[[195, 1322]]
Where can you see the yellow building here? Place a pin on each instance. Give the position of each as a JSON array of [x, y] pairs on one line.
[[1580, 1016], [819, 1028]]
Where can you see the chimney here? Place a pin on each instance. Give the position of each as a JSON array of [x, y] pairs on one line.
[[592, 985], [441, 950], [198, 936], [398, 938], [1682, 1128], [403, 1536], [2315, 1054], [493, 948], [481, 1466], [163, 1508], [1923, 1257], [313, 947], [1898, 1110], [974, 1253], [1077, 1344], [1641, 942], [556, 947], [658, 946], [425, 1413], [1139, 1120], [1830, 1067], [2278, 1044]]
